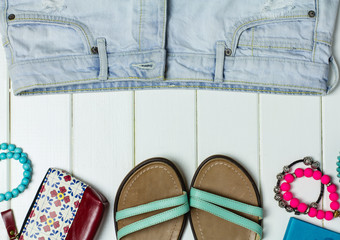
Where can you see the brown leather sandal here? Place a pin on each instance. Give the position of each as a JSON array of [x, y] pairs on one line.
[[225, 202], [151, 203]]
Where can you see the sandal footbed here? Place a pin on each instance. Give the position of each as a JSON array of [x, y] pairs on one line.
[[152, 180], [223, 176]]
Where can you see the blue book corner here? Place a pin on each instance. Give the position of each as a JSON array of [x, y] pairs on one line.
[[300, 230]]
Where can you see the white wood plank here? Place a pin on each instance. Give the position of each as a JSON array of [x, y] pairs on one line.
[[166, 127], [103, 145], [290, 130], [331, 133], [41, 126], [228, 125], [4, 110]]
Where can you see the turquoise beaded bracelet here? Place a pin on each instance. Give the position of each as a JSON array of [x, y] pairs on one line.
[[17, 154]]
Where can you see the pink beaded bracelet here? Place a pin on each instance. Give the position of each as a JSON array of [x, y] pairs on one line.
[[286, 199]]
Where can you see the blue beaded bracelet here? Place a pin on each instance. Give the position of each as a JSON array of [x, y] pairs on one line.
[[17, 154]]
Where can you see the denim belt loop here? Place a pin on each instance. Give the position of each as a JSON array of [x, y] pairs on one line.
[[335, 69], [219, 65], [103, 74]]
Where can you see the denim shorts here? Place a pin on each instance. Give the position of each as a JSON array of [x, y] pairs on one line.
[[266, 46]]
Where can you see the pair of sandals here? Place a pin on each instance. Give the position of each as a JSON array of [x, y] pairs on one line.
[[224, 202]]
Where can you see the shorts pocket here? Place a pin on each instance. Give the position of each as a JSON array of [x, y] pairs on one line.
[[38, 36], [291, 39]]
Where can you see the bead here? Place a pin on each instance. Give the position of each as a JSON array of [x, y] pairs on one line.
[[335, 206], [302, 207], [8, 196], [308, 172], [299, 172], [334, 197], [25, 181], [286, 169], [4, 146], [282, 204], [285, 187], [279, 176], [18, 150], [294, 203], [336, 214], [315, 165], [329, 215], [320, 215], [288, 196], [11, 147], [27, 174], [332, 188], [338, 169], [308, 161], [23, 160], [26, 166], [314, 205], [15, 192], [338, 164], [289, 209], [278, 197], [9, 155], [289, 178], [312, 212], [339, 158], [17, 154], [277, 189], [21, 188], [317, 175], [325, 179]]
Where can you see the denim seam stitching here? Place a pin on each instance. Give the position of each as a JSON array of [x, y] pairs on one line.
[[58, 21], [322, 41], [211, 87], [254, 83], [83, 80], [252, 41], [140, 23], [290, 48], [170, 79], [316, 29], [7, 36], [81, 57], [279, 43], [263, 19]]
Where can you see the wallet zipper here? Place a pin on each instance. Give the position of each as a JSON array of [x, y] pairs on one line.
[[32, 205]]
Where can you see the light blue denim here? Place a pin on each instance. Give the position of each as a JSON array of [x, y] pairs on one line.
[[266, 46]]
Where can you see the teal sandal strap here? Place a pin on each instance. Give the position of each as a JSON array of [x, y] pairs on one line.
[[155, 219], [206, 202], [153, 206], [226, 202]]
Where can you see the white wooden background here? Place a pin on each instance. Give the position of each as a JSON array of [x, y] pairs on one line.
[[99, 137]]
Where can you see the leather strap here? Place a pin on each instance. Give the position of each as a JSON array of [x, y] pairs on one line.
[[150, 207], [206, 202], [9, 221], [181, 202], [226, 202]]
